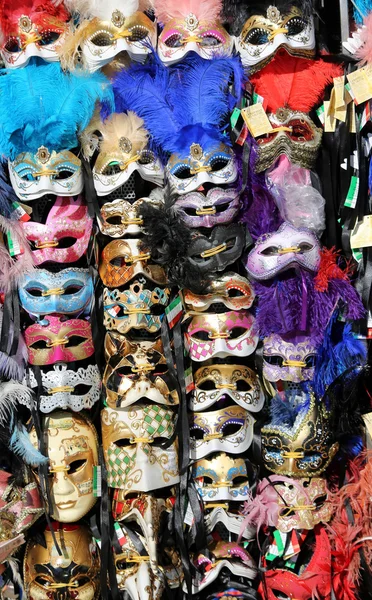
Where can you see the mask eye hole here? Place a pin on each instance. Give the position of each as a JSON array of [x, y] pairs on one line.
[[82, 389], [75, 340], [280, 595], [111, 169], [305, 247], [310, 361], [76, 466], [13, 45], [295, 26], [240, 481], [182, 172], [242, 385], [257, 37], [320, 501], [64, 174], [237, 332], [138, 33], [210, 40], [35, 292], [270, 251], [73, 289], [196, 433], [101, 38], [113, 220], [218, 164], [48, 38], [81, 581], [174, 40], [201, 335], [205, 480], [273, 359]]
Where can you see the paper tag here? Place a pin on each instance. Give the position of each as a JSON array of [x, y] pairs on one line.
[[339, 87], [361, 84], [13, 245], [361, 236], [256, 120], [189, 516], [329, 119]]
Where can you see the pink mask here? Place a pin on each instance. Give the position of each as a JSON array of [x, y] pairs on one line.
[[221, 334], [218, 207], [276, 252], [67, 219]]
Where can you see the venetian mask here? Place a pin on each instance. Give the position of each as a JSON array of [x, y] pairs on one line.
[[72, 448], [288, 359], [238, 382], [218, 206], [73, 575], [138, 450], [284, 249], [136, 370], [302, 506], [304, 450], [46, 172], [221, 478], [233, 290], [221, 334], [135, 308], [122, 260], [54, 340], [68, 292], [67, 220], [216, 514], [120, 218]]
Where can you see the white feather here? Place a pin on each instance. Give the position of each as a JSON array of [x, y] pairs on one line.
[[102, 9], [13, 393]]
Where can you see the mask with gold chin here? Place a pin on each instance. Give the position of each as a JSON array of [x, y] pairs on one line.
[[74, 575], [72, 448]]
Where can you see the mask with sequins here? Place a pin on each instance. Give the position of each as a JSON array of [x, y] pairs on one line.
[[222, 478]]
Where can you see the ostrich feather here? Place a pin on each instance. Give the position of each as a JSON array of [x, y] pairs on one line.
[[12, 394], [361, 10], [115, 127], [21, 445], [41, 12], [364, 53], [13, 269], [90, 9], [204, 10]]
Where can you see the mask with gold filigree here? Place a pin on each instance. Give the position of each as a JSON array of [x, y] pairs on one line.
[[136, 370], [72, 449], [72, 575], [289, 358], [121, 218], [217, 207], [139, 447], [221, 477], [298, 442], [234, 291], [108, 32], [32, 29]]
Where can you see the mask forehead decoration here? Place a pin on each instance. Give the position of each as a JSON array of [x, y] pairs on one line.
[[221, 335], [74, 575], [31, 28], [133, 440], [302, 445], [214, 478], [238, 382], [136, 370], [107, 30], [191, 26], [68, 218], [218, 207], [54, 340], [233, 290], [73, 454], [122, 260], [120, 143], [289, 359], [134, 308]]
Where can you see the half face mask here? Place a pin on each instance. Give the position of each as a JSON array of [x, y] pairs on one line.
[[218, 207], [67, 389], [238, 382], [73, 453], [194, 27], [46, 172], [221, 335], [136, 370], [74, 575], [291, 359], [302, 506], [233, 290], [122, 260], [54, 340], [32, 29], [121, 218], [282, 250], [68, 292], [304, 450], [65, 236], [221, 478], [133, 443], [135, 576], [121, 144], [268, 30], [134, 308], [229, 429]]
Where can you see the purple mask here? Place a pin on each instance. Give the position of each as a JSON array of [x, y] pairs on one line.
[[282, 250], [218, 207], [290, 359]]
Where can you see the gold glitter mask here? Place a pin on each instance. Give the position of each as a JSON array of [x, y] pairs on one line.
[[221, 477], [304, 505], [233, 290]]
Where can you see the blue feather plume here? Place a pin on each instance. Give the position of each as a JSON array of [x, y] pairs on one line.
[[20, 444], [361, 9], [283, 412], [43, 106]]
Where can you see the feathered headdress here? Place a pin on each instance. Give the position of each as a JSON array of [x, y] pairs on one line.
[[190, 103], [42, 13], [43, 106], [166, 10], [237, 12]]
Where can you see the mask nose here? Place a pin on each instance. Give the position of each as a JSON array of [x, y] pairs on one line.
[[295, 374], [62, 594], [62, 485]]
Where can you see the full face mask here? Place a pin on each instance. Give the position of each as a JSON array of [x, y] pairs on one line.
[[221, 478], [133, 443], [74, 575], [303, 450], [191, 27], [215, 382], [135, 576], [54, 340], [68, 292], [72, 445], [284, 249], [229, 429], [136, 370], [221, 334], [233, 290], [218, 207], [122, 260], [32, 28], [67, 220], [67, 389], [135, 308], [289, 358], [118, 148]]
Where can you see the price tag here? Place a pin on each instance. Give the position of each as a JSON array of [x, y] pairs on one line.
[[339, 91], [256, 120], [361, 84], [361, 236], [329, 119]]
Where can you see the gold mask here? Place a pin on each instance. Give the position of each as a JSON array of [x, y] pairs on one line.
[[233, 290]]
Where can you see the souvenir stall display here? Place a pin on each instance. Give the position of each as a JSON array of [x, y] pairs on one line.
[[185, 300]]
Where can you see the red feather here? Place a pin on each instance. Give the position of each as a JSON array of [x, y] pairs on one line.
[[329, 269], [40, 12]]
